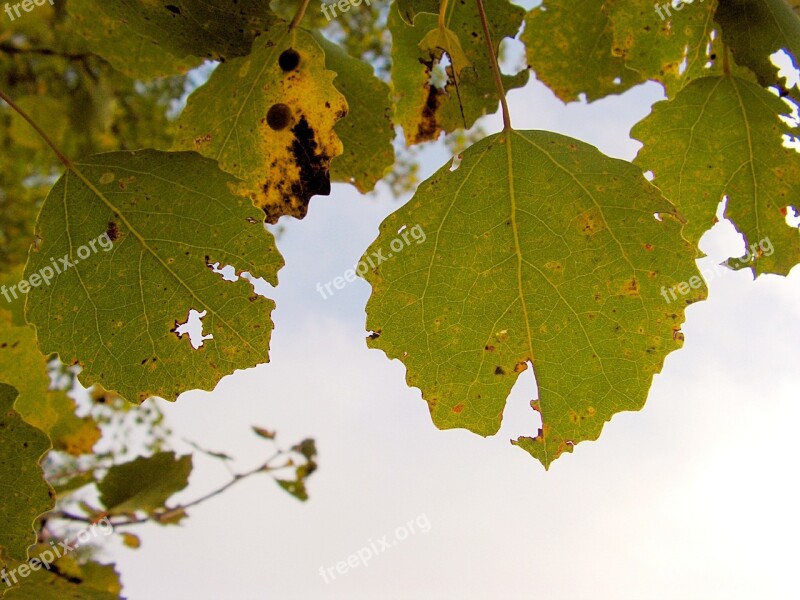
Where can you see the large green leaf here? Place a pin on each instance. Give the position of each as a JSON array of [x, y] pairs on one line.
[[170, 216], [672, 50], [367, 130], [537, 249], [116, 41], [755, 29], [52, 411], [721, 136], [269, 119], [425, 110], [144, 484], [219, 30], [568, 45], [25, 494]]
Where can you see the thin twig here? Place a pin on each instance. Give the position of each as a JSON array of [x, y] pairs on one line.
[[301, 12], [67, 162], [442, 14], [498, 81], [11, 49]]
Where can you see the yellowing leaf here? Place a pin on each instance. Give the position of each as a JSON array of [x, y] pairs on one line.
[[133, 237], [25, 494], [144, 484], [538, 250], [269, 119], [698, 159], [367, 131], [444, 40], [52, 411], [425, 109]]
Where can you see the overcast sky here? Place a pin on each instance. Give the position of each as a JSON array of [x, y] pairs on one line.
[[694, 497]]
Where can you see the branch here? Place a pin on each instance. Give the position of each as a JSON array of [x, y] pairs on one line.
[[11, 49]]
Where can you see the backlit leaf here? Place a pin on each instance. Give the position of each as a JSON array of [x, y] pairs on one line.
[[424, 109], [142, 229], [698, 159], [269, 119], [568, 45], [538, 249]]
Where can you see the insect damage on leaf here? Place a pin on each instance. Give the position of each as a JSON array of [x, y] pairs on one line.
[[269, 119]]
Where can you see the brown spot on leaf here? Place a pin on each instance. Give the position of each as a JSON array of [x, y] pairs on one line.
[[112, 231], [458, 408], [499, 371], [428, 127]]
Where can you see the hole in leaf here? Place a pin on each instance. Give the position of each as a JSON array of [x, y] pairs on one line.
[[279, 116], [194, 328]]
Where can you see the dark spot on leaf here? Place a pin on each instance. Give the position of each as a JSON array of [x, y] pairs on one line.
[[499, 371], [112, 231], [279, 116], [289, 60], [428, 127], [173, 9]]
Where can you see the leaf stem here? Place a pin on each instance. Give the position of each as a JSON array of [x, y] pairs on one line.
[[498, 81], [442, 14], [67, 162], [301, 12]]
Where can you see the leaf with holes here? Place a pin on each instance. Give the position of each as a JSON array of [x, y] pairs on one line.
[[144, 484], [698, 159], [269, 119], [126, 240], [568, 45], [424, 107], [25, 494], [367, 130], [674, 49], [537, 249], [756, 29]]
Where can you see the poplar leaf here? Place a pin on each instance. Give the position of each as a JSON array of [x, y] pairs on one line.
[[367, 130], [568, 45], [538, 250], [25, 493], [133, 236], [698, 159], [144, 484], [269, 120], [218, 30], [756, 29], [426, 108]]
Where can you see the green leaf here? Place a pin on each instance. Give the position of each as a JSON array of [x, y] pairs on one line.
[[216, 30], [756, 29], [425, 110], [537, 249], [144, 484], [698, 159], [25, 494], [658, 48], [52, 411], [270, 121], [439, 40], [67, 579], [568, 45], [408, 9], [126, 50], [170, 216], [367, 130]]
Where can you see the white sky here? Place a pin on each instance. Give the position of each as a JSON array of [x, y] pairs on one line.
[[694, 497]]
